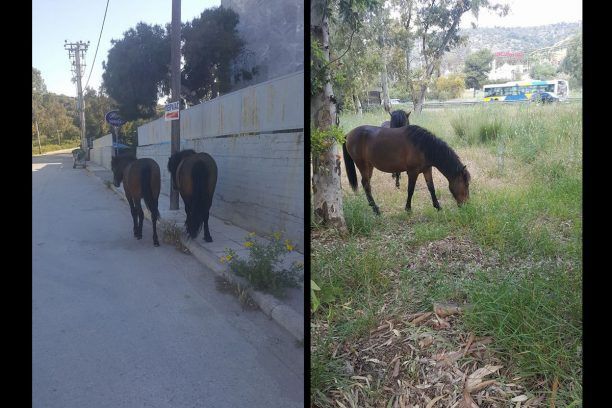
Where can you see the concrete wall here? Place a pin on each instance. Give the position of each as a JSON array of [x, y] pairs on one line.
[[102, 151], [256, 137]]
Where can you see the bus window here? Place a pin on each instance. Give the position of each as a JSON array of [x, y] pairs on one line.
[[549, 88]]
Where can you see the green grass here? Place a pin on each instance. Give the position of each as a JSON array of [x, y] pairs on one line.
[[513, 252], [45, 148]]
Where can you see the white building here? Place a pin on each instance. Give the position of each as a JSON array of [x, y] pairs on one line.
[[513, 72]]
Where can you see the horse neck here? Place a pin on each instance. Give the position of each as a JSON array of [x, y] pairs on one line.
[[447, 170]]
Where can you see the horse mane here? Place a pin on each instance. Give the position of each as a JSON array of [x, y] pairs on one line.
[[177, 157], [437, 151]]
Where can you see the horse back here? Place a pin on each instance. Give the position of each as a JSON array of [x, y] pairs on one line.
[[185, 172], [133, 173]]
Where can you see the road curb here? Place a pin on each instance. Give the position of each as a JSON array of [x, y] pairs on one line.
[[282, 314]]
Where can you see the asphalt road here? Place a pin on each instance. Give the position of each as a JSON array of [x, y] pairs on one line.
[[117, 322]]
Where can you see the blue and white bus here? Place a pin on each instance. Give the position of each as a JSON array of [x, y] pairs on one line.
[[546, 91]]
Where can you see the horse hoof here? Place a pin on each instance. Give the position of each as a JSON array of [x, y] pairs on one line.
[[208, 239], [408, 209], [156, 244]]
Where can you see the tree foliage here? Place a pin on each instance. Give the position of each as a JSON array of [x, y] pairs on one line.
[[572, 63], [542, 71], [97, 105], [449, 87], [477, 68], [211, 44], [137, 70], [137, 73]]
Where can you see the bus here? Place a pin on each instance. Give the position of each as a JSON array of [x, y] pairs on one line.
[[544, 91]]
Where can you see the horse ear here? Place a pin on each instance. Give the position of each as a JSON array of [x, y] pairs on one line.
[[408, 113]]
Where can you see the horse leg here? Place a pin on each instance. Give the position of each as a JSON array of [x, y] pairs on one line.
[[396, 176], [366, 175], [412, 178], [140, 218], [134, 215], [430, 186], [207, 236]]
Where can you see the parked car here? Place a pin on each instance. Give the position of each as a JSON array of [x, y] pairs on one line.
[[542, 97]]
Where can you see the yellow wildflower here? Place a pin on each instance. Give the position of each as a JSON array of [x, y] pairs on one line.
[[248, 244], [288, 245]]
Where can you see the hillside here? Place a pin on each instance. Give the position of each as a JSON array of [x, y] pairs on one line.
[[508, 39], [518, 38]]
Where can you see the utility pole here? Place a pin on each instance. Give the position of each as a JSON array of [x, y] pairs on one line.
[[76, 53], [175, 37], [59, 138]]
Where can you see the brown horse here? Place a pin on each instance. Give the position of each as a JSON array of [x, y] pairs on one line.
[[399, 118], [411, 149], [194, 175], [141, 180]]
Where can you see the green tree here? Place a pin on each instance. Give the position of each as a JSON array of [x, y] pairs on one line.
[[542, 71], [437, 31], [211, 45], [572, 63], [137, 70], [449, 87], [477, 68], [97, 105]]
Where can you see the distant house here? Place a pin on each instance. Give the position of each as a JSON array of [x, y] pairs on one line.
[[506, 70], [374, 98]]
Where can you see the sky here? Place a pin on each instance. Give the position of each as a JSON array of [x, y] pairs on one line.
[[529, 13], [54, 21]]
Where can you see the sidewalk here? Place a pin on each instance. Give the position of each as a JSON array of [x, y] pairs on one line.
[[287, 312]]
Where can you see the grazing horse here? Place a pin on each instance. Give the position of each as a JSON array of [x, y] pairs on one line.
[[141, 180], [194, 175], [412, 149], [399, 118]]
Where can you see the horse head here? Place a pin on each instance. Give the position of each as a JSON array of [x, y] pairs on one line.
[[459, 186]]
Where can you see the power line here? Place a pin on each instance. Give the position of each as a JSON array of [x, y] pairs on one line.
[[96, 53]]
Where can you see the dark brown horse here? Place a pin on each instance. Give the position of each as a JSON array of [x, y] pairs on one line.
[[141, 180], [411, 149], [399, 118], [194, 175]]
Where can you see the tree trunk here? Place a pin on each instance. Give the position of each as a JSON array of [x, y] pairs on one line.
[[38, 134], [358, 104], [385, 87], [418, 103], [326, 186]]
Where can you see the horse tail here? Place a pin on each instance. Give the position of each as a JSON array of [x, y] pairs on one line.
[[147, 191], [349, 165], [200, 200]]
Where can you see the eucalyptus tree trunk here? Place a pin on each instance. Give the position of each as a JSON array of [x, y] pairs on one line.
[[385, 86], [358, 104], [326, 186]]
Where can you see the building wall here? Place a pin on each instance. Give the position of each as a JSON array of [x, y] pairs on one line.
[[274, 35], [102, 151]]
